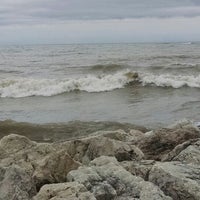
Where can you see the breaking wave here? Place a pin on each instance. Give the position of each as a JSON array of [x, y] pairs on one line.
[[169, 80], [24, 87]]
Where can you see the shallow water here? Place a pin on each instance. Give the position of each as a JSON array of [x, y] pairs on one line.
[[62, 83]]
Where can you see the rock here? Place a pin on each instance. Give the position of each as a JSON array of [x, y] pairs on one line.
[[63, 191], [53, 168], [139, 168], [106, 179], [155, 145], [41, 161], [132, 135], [191, 154], [87, 149], [15, 143], [187, 152], [180, 181], [15, 183]]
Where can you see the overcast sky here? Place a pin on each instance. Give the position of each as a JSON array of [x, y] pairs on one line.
[[91, 21]]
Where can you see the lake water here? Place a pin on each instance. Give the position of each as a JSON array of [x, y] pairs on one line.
[[98, 82]]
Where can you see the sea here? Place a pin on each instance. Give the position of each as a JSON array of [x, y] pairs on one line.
[[152, 84]]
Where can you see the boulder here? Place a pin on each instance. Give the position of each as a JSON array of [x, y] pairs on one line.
[[106, 179], [178, 180], [63, 191], [53, 168], [132, 135], [156, 144], [41, 161], [139, 168], [86, 149], [15, 183], [188, 152]]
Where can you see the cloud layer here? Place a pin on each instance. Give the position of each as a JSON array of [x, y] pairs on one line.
[[66, 21], [42, 11]]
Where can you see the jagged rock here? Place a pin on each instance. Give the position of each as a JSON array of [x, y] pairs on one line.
[[106, 179], [63, 191], [156, 144], [15, 143], [86, 149], [139, 168], [180, 181], [15, 183], [41, 161], [132, 135], [188, 152], [53, 168]]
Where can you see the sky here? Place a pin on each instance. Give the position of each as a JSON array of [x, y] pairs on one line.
[[98, 21]]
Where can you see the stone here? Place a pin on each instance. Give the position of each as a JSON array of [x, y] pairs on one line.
[[156, 144], [41, 161], [15, 183], [139, 168], [64, 191], [188, 152], [106, 179], [178, 180], [53, 168], [86, 149]]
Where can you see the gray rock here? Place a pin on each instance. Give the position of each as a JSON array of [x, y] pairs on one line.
[[180, 181], [15, 183], [188, 152], [41, 161], [139, 168], [64, 191], [107, 179], [132, 135], [157, 144], [86, 149]]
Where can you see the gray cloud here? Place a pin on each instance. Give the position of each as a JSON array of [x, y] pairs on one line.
[[43, 11]]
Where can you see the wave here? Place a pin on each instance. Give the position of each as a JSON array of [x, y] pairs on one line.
[[107, 67], [25, 87], [177, 66], [169, 80]]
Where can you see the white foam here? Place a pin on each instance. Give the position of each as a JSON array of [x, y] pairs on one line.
[[168, 80], [23, 87]]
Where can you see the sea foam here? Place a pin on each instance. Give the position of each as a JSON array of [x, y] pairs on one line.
[[169, 80], [24, 87]]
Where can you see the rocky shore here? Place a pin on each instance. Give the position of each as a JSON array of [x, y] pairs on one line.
[[163, 164]]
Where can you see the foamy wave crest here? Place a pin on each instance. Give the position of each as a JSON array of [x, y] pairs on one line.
[[25, 87], [168, 80]]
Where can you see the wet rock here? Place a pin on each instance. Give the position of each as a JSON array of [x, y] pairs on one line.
[[63, 191], [15, 183], [156, 144], [106, 179], [87, 149], [180, 181]]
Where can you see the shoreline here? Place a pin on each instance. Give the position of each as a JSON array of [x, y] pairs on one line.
[[135, 163]]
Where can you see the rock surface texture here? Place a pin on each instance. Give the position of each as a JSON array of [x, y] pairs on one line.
[[106, 165]]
